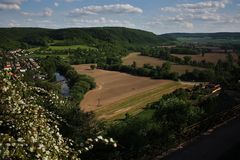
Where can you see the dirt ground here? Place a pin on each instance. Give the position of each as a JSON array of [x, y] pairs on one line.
[[113, 86], [141, 60], [209, 57]]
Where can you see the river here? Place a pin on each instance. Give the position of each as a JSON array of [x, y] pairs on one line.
[[64, 86]]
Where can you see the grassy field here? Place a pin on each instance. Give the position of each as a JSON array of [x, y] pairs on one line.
[[64, 47], [119, 93], [135, 104], [33, 49], [209, 57], [141, 60], [146, 114], [63, 56], [70, 47]]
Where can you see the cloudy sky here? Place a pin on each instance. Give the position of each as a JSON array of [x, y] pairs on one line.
[[158, 16]]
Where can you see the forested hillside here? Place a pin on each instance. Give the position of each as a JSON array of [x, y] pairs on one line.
[[32, 37], [201, 35], [221, 39]]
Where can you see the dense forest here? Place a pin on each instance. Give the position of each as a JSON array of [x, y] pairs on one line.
[[225, 40], [29, 37], [222, 35]]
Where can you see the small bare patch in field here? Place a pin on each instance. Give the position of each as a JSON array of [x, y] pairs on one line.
[[209, 57], [141, 60]]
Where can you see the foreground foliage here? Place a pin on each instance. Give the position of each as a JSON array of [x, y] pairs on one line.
[[30, 127], [27, 129]]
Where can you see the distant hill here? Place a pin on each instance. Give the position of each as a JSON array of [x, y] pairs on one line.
[[222, 39], [222, 35], [28, 37], [12, 38]]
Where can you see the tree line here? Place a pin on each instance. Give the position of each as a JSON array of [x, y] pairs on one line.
[[165, 54]]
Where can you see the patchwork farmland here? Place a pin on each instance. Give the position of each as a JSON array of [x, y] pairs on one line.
[[119, 93], [209, 57], [141, 60]]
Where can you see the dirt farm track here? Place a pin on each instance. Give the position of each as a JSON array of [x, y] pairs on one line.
[[117, 93]]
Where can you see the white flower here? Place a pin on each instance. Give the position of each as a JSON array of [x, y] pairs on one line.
[[40, 146], [20, 139], [21, 102], [89, 139], [111, 140], [8, 144], [31, 149], [106, 140], [38, 155], [5, 88], [56, 147], [91, 146]]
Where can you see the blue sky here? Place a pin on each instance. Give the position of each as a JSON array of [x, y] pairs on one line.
[[158, 16]]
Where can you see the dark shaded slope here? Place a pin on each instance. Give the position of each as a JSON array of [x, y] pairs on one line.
[[25, 37]]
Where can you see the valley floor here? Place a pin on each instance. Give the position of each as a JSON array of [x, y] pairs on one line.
[[119, 93], [141, 60]]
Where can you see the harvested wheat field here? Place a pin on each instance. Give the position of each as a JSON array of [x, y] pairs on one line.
[[209, 57], [141, 60], [119, 93]]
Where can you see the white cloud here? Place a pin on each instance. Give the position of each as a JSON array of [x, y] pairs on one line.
[[101, 22], [205, 16], [10, 4], [204, 5], [13, 23], [200, 7], [201, 11], [178, 21], [56, 4], [188, 25], [46, 13], [69, 0], [12, 1], [113, 8]]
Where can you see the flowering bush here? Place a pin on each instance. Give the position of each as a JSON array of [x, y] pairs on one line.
[[29, 131]]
